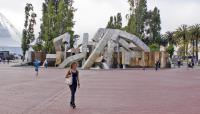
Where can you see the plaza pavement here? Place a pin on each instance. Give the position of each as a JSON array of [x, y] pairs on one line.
[[175, 91]]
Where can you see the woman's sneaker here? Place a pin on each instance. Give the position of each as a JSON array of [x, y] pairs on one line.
[[73, 106]]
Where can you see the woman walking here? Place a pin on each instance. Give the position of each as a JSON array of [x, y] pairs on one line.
[[73, 74]]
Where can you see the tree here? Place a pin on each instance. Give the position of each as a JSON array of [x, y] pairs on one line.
[[182, 35], [154, 47], [171, 39], [195, 34], [170, 49], [131, 27], [154, 22], [119, 21], [57, 19], [111, 23], [39, 44], [24, 44], [192, 31], [144, 24], [28, 31], [164, 41], [140, 16], [137, 18], [115, 22]]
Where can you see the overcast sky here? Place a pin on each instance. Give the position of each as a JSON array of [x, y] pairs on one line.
[[93, 14]]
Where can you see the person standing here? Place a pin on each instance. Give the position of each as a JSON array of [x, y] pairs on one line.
[[46, 63], [192, 63], [74, 74], [157, 65], [179, 63]]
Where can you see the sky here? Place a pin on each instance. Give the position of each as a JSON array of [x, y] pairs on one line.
[[94, 14]]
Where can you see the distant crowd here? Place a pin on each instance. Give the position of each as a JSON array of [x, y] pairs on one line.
[[4, 60]]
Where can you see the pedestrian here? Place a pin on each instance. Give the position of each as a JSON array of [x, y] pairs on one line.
[[157, 65], [192, 63], [46, 63], [179, 63], [73, 73], [36, 65]]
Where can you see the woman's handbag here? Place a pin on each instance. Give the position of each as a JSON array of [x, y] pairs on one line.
[[69, 79]]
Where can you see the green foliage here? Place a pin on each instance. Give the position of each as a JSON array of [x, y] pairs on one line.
[[137, 18], [28, 31], [170, 36], [115, 22], [154, 47], [144, 24], [38, 47], [57, 19], [24, 44], [131, 27], [141, 16], [186, 38], [111, 23], [164, 41], [182, 35], [170, 50], [195, 34], [154, 22]]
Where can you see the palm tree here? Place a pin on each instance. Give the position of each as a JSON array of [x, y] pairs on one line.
[[170, 37], [195, 32], [181, 34], [192, 32]]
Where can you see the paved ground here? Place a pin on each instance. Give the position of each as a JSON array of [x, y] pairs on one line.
[[174, 91]]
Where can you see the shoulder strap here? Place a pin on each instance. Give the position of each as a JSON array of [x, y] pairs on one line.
[[69, 72]]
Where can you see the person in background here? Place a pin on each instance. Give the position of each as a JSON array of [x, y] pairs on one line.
[[192, 63], [179, 63], [157, 64], [46, 63], [37, 65], [74, 74]]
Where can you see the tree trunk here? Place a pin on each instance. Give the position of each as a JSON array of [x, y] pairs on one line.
[[193, 48], [186, 52], [197, 49], [185, 49]]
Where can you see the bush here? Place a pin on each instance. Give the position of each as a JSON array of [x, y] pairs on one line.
[[170, 50], [154, 47]]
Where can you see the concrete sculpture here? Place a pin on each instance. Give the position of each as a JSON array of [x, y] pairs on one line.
[[108, 47]]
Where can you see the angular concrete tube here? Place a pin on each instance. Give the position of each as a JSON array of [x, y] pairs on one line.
[[71, 59], [61, 39], [104, 36], [99, 48]]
